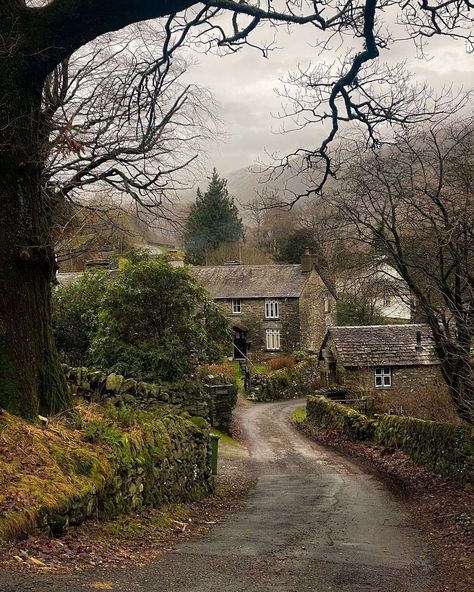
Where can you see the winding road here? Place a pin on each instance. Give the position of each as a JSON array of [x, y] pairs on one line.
[[315, 522]]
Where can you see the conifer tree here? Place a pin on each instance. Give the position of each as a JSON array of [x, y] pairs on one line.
[[213, 220]]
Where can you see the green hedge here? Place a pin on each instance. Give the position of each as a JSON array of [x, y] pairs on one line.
[[445, 448], [327, 414]]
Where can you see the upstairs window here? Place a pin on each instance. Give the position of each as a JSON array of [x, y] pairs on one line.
[[272, 310], [236, 306], [272, 339], [383, 377], [327, 304], [387, 301]]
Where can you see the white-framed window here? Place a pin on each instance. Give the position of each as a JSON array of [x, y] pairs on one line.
[[383, 377], [236, 306], [272, 309], [272, 339], [387, 301]]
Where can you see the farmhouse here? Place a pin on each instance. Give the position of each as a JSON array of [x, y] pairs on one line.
[[397, 359], [272, 308]]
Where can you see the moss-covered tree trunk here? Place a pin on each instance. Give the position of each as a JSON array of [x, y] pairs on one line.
[[31, 379]]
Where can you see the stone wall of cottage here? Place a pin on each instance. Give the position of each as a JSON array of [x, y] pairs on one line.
[[314, 319], [253, 317], [406, 380]]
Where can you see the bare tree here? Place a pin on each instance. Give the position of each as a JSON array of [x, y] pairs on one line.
[[121, 120], [36, 37], [415, 202]]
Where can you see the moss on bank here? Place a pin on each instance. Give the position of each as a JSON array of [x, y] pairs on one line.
[[96, 461]]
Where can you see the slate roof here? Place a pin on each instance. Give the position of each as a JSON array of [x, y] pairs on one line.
[[382, 345], [252, 281]]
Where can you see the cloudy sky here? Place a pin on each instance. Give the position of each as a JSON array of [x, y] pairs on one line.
[[244, 86]]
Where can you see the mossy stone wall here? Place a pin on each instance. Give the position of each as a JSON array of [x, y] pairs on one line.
[[168, 462], [94, 385], [285, 383], [445, 448]]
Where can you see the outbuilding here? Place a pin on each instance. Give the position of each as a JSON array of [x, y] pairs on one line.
[[396, 359]]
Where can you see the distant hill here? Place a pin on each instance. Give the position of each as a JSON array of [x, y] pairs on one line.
[[248, 183]]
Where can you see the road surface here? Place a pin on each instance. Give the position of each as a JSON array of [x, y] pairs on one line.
[[316, 522]]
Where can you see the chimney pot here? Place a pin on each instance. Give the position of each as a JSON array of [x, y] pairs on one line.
[[418, 347]]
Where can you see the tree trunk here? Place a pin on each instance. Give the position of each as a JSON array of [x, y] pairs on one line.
[[459, 376], [31, 379], [456, 363]]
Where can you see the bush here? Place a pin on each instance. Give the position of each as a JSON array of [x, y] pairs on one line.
[[154, 318], [280, 362], [347, 421], [75, 308], [217, 374], [300, 355], [445, 448]]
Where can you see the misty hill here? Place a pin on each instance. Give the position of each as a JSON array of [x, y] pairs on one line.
[[248, 184]]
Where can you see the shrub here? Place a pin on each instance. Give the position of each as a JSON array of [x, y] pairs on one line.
[[445, 448], [217, 374], [327, 414], [75, 309], [299, 356], [279, 362], [153, 318]]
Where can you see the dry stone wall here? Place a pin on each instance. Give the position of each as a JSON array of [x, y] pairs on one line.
[[94, 385], [285, 383], [168, 462]]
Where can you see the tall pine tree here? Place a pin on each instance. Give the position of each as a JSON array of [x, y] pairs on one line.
[[213, 220]]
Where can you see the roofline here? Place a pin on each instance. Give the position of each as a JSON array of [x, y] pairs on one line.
[[377, 326], [393, 364], [254, 297]]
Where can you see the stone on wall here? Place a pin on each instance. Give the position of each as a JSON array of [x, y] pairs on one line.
[[223, 398]]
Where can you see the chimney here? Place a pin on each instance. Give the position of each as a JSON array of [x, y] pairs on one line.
[[418, 347], [307, 261]]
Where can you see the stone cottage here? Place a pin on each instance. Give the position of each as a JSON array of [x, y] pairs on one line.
[[272, 308], [396, 359]]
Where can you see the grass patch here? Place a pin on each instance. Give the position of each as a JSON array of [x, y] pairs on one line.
[[299, 415], [130, 527], [224, 438]]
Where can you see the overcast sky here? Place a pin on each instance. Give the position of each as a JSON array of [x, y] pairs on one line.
[[244, 87]]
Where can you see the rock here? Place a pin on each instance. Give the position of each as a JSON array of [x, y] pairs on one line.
[[113, 382]]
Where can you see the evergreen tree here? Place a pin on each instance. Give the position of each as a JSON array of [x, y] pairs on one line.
[[213, 221]]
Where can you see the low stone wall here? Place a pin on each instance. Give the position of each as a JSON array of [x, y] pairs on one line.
[[116, 469], [445, 448], [94, 385], [285, 383]]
